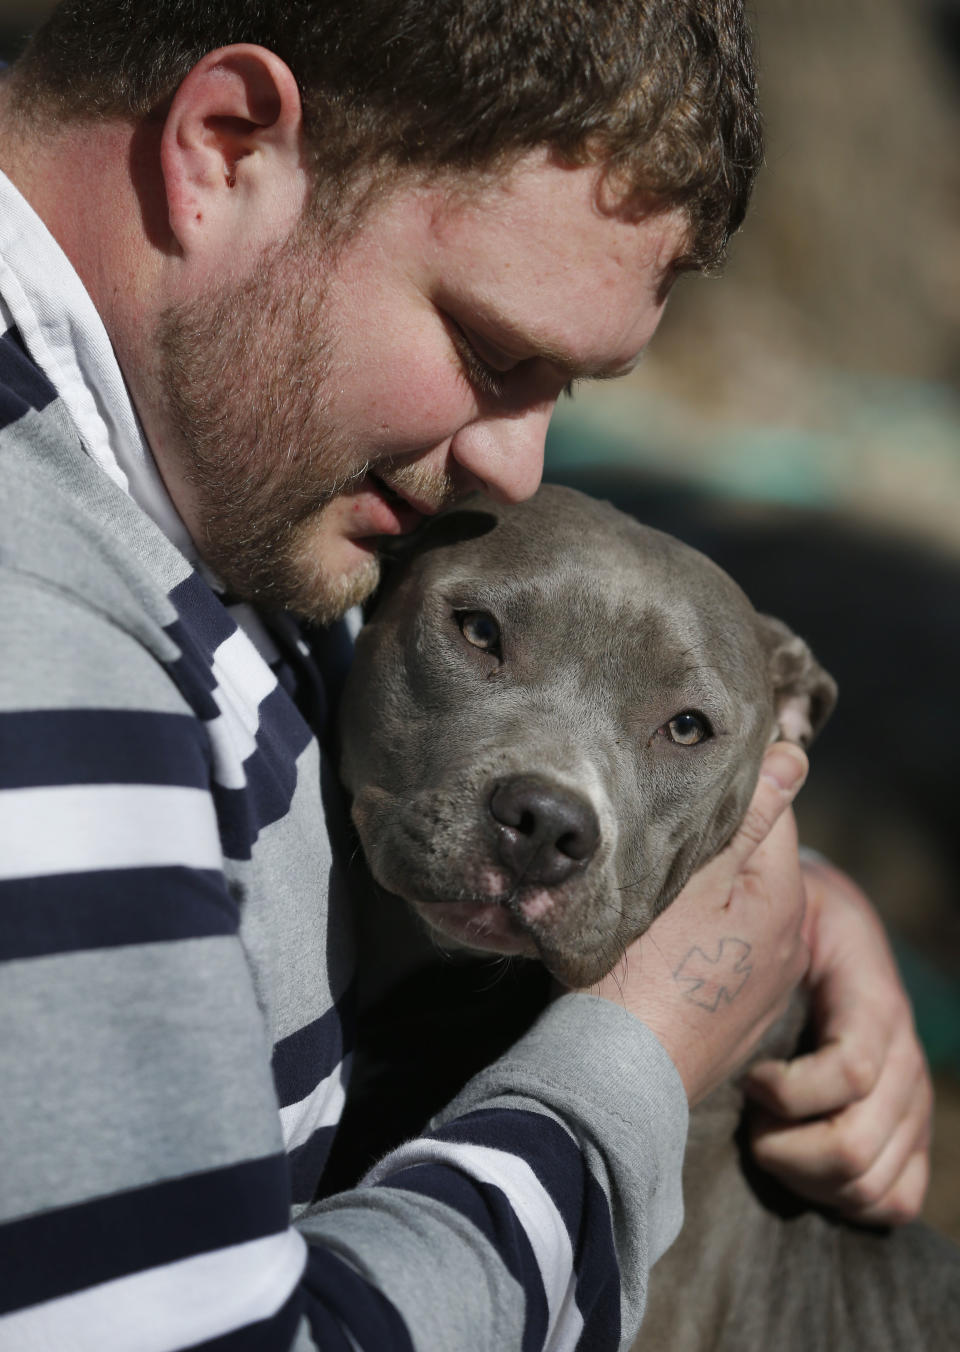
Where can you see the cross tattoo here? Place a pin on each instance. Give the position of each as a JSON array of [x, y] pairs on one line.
[[714, 979]]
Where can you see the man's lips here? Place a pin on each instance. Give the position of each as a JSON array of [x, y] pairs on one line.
[[420, 502], [377, 509]]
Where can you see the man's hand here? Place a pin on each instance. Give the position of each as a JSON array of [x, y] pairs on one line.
[[848, 1126], [718, 967]]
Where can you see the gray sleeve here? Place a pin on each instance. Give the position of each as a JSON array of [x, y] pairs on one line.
[[542, 1195]]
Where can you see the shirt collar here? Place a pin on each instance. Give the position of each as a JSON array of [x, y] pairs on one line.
[[65, 336]]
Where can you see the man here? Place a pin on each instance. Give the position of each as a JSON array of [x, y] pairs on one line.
[[276, 282]]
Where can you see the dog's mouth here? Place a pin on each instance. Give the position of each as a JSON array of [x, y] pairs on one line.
[[517, 928], [501, 924]]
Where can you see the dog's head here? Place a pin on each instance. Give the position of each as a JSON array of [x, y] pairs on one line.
[[555, 715]]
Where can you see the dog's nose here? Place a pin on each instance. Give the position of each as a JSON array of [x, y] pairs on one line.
[[545, 832]]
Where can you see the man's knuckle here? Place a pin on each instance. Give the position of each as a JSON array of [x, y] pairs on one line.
[[767, 1150], [854, 1155], [903, 1203], [775, 1096], [860, 1196], [755, 825], [858, 1070]]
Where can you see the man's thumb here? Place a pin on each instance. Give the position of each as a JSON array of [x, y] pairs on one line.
[[782, 774]]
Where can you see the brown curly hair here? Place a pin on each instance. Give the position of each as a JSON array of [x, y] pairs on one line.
[[662, 93]]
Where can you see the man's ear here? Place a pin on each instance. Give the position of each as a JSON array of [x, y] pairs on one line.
[[231, 153], [803, 692]]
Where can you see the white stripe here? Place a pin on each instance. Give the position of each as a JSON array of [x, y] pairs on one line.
[[243, 680], [533, 1207], [321, 1108], [243, 614], [78, 828], [245, 675], [166, 1307], [354, 621]]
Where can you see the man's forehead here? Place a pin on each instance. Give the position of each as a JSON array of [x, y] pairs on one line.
[[525, 340], [539, 196]]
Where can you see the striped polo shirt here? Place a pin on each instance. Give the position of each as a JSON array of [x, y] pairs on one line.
[[176, 988]]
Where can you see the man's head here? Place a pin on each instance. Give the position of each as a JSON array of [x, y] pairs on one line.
[[377, 242], [662, 92]]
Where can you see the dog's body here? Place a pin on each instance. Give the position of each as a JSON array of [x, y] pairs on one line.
[[554, 717], [754, 1269]]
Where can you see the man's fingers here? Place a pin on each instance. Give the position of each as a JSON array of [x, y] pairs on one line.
[[864, 1195], [848, 1125], [782, 773], [851, 1161], [824, 1081], [903, 1202], [890, 1192]]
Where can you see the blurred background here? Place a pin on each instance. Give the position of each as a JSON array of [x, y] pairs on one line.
[[799, 419]]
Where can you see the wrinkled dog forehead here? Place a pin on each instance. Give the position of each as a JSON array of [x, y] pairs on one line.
[[560, 542], [577, 582], [582, 587]]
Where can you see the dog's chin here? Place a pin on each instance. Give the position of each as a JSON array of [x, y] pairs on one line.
[[486, 926], [492, 927], [498, 916]]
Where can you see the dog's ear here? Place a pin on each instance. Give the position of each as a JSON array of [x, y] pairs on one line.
[[449, 527], [452, 526], [803, 692]]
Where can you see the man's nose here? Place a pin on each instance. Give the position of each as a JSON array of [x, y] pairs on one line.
[[504, 452]]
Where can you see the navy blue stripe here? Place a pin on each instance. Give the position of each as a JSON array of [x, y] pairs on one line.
[[299, 671], [560, 1166], [309, 1055], [267, 1335], [203, 623], [41, 747], [271, 775], [488, 1209], [328, 1334], [70, 912], [52, 1254], [340, 1292], [270, 771], [23, 386], [205, 616], [598, 1272], [307, 1163], [193, 676]]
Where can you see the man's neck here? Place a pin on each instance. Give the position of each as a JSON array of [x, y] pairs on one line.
[[93, 186], [98, 188]]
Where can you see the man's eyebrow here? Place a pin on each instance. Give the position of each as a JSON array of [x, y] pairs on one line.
[[534, 346], [573, 369]]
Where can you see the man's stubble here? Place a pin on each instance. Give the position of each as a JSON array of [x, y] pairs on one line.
[[245, 376]]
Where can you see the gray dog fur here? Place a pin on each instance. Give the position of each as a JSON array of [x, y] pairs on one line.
[[521, 787]]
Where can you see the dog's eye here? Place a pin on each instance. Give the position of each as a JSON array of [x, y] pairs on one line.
[[687, 729], [480, 629]]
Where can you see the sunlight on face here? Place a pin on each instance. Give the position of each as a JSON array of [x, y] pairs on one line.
[[315, 418]]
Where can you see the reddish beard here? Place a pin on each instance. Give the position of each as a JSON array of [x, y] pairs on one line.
[[243, 372]]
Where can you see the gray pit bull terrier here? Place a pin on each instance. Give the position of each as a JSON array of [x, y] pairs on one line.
[[555, 715]]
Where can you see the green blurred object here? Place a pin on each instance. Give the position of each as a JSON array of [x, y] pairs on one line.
[[936, 1006], [888, 448]]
